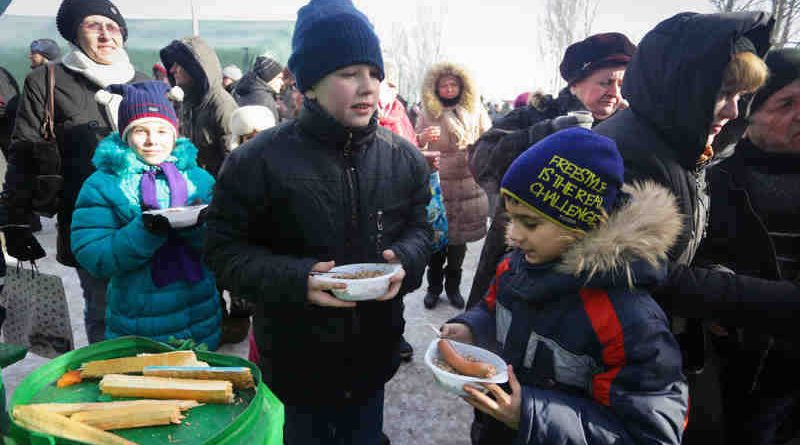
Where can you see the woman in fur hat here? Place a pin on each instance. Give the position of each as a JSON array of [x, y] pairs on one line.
[[452, 120]]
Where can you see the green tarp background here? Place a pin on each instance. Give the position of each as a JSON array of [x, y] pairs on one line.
[[237, 42]]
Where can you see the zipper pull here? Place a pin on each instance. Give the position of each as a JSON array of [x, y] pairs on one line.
[[379, 236], [347, 149]]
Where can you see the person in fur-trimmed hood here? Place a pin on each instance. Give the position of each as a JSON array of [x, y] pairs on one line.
[[158, 285], [452, 120], [591, 357]]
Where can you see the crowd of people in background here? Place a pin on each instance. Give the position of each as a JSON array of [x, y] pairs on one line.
[[641, 266]]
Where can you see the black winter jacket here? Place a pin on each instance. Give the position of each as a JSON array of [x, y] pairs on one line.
[[252, 90], [9, 98], [80, 123], [306, 191]]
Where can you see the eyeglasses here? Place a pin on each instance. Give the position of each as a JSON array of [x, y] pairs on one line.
[[98, 27]]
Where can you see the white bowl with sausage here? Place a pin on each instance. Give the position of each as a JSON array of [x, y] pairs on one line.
[[453, 382], [361, 289]]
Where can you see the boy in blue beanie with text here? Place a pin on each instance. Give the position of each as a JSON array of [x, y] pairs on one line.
[[591, 358], [331, 187], [158, 285]]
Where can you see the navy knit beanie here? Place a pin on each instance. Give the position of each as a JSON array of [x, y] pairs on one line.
[[572, 178], [329, 35], [143, 101]]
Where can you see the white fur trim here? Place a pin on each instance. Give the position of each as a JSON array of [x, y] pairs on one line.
[[175, 93]]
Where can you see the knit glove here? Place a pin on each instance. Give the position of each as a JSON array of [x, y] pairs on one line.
[[21, 244], [156, 224], [584, 120]]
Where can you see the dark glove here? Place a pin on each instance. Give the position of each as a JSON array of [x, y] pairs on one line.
[[156, 224], [576, 119], [22, 245]]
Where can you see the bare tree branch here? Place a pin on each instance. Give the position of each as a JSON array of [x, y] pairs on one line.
[[563, 23]]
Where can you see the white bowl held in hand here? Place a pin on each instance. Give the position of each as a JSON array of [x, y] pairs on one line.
[[453, 383], [360, 289], [180, 217]]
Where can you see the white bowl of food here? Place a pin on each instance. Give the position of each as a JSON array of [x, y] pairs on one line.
[[180, 217], [451, 380], [365, 281]]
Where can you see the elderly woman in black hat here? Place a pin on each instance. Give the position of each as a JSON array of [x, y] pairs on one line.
[[593, 69], [38, 162]]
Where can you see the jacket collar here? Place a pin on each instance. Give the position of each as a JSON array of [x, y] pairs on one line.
[[318, 123]]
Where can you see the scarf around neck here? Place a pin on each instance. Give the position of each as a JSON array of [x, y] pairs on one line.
[[120, 71], [174, 260]]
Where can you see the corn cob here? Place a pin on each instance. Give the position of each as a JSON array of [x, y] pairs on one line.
[[130, 417], [211, 391], [127, 365], [241, 377], [68, 409], [57, 425]]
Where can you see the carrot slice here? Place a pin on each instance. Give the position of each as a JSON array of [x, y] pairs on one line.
[[69, 378]]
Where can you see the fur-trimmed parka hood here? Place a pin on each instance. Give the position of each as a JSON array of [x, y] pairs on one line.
[[115, 157], [629, 251], [469, 99], [642, 230]]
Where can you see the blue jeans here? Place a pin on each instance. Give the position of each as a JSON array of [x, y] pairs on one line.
[[94, 309], [344, 424]]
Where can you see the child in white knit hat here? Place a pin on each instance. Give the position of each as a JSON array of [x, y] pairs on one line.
[[247, 121]]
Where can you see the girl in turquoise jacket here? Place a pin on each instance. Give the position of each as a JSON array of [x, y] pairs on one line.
[[158, 285]]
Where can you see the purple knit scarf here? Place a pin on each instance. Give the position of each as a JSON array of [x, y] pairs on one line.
[[174, 260]]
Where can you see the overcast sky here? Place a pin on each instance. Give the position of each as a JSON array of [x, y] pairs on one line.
[[496, 39]]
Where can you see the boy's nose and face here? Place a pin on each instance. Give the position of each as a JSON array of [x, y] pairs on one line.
[[540, 239], [349, 94], [152, 141]]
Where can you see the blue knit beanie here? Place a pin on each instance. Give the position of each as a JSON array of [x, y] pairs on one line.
[[329, 35], [572, 178], [143, 101]]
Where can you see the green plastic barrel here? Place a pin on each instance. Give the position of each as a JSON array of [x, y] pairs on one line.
[[255, 417], [9, 354]]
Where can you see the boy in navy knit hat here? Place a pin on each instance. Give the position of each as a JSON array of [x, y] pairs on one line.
[[158, 285], [331, 187], [591, 358]]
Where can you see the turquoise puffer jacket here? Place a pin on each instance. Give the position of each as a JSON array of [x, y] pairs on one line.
[[110, 241]]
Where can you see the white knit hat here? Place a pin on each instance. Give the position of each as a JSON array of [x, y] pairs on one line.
[[232, 72], [250, 118]]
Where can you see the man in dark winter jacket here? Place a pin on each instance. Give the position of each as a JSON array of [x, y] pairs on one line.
[[593, 69], [98, 32], [43, 51], [674, 100], [261, 85], [753, 230], [206, 109], [330, 186]]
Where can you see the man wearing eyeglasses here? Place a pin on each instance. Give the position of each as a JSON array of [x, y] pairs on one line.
[[45, 174]]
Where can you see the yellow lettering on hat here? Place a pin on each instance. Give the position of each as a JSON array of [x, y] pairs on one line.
[[544, 175], [537, 188], [569, 188]]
